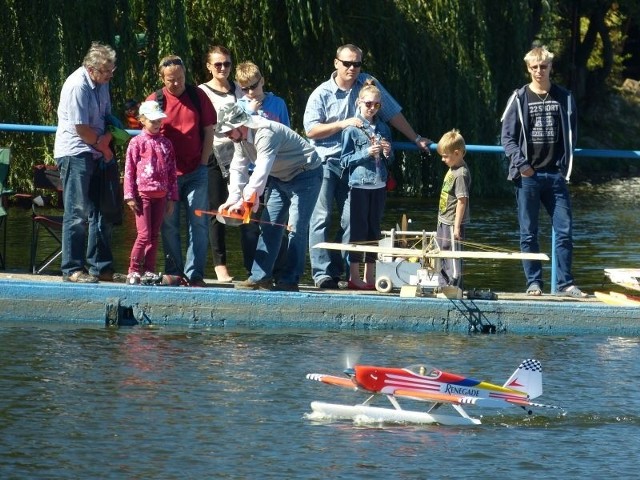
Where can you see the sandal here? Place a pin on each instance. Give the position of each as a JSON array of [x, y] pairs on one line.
[[534, 290], [573, 292]]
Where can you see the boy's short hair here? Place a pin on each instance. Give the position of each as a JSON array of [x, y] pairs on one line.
[[538, 54], [247, 71], [450, 141]]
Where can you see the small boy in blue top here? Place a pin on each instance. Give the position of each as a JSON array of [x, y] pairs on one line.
[[255, 99], [366, 156]]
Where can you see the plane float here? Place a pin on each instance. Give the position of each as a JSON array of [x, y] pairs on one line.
[[625, 277], [427, 384]]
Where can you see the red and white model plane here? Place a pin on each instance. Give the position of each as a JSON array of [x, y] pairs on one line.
[[438, 388]]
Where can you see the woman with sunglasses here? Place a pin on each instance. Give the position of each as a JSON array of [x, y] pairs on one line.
[[221, 91], [366, 156]]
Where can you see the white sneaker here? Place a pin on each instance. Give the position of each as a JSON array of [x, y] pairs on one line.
[[133, 278]]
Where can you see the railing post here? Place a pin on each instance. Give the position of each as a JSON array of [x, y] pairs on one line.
[[554, 263]]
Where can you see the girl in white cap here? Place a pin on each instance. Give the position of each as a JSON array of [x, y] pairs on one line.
[[150, 188]]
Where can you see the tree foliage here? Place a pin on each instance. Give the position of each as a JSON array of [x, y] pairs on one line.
[[450, 63]]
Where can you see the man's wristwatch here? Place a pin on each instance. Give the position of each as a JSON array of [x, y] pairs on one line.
[[418, 138]]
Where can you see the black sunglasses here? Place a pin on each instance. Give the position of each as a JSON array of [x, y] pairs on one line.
[[348, 64], [173, 61], [219, 65], [251, 87], [372, 104]]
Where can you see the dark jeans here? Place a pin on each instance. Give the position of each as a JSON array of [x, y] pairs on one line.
[[367, 208], [550, 190], [249, 234], [86, 235], [218, 193], [329, 264]]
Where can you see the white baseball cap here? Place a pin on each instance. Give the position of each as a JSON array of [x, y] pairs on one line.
[[151, 110]]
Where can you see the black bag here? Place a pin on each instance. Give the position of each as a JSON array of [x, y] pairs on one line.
[[110, 203]]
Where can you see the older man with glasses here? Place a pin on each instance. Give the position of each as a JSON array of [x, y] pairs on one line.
[[81, 149], [189, 126], [330, 109]]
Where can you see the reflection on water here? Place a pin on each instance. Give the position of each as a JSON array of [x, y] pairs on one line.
[[154, 403], [605, 236]]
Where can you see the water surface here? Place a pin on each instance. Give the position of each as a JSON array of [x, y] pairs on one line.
[[142, 403]]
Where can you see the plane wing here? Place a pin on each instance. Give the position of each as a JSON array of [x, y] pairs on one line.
[[332, 380], [466, 400], [414, 252], [459, 399]]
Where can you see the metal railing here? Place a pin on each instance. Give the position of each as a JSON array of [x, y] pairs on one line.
[[578, 152]]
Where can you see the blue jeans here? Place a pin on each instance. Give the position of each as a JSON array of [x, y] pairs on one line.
[[295, 199], [80, 175], [550, 190], [329, 264], [193, 190]]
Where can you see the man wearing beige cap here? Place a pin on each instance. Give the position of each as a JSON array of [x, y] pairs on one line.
[[289, 167]]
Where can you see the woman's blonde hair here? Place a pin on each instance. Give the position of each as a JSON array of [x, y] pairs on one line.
[[369, 87]]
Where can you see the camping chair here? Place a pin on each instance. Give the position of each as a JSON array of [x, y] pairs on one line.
[[5, 159], [46, 177]]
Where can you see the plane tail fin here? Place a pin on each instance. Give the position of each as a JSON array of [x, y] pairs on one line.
[[527, 378]]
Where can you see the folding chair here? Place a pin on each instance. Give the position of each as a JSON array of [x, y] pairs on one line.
[[46, 177], [5, 159]]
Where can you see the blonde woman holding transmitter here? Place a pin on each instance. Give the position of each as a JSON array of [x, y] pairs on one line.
[[365, 159], [221, 91]]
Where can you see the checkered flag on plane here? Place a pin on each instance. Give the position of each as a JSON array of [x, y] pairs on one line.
[[527, 378]]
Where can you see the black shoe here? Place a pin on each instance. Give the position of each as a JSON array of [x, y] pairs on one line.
[[106, 276], [287, 287], [328, 283], [198, 282], [249, 284]]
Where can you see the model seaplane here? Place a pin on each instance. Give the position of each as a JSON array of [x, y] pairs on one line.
[[437, 388]]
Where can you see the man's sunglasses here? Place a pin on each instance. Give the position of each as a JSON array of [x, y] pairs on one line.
[[348, 64], [173, 61]]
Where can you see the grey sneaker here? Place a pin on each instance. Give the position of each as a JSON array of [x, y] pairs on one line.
[[80, 277], [249, 284], [573, 292], [150, 278], [287, 287]]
